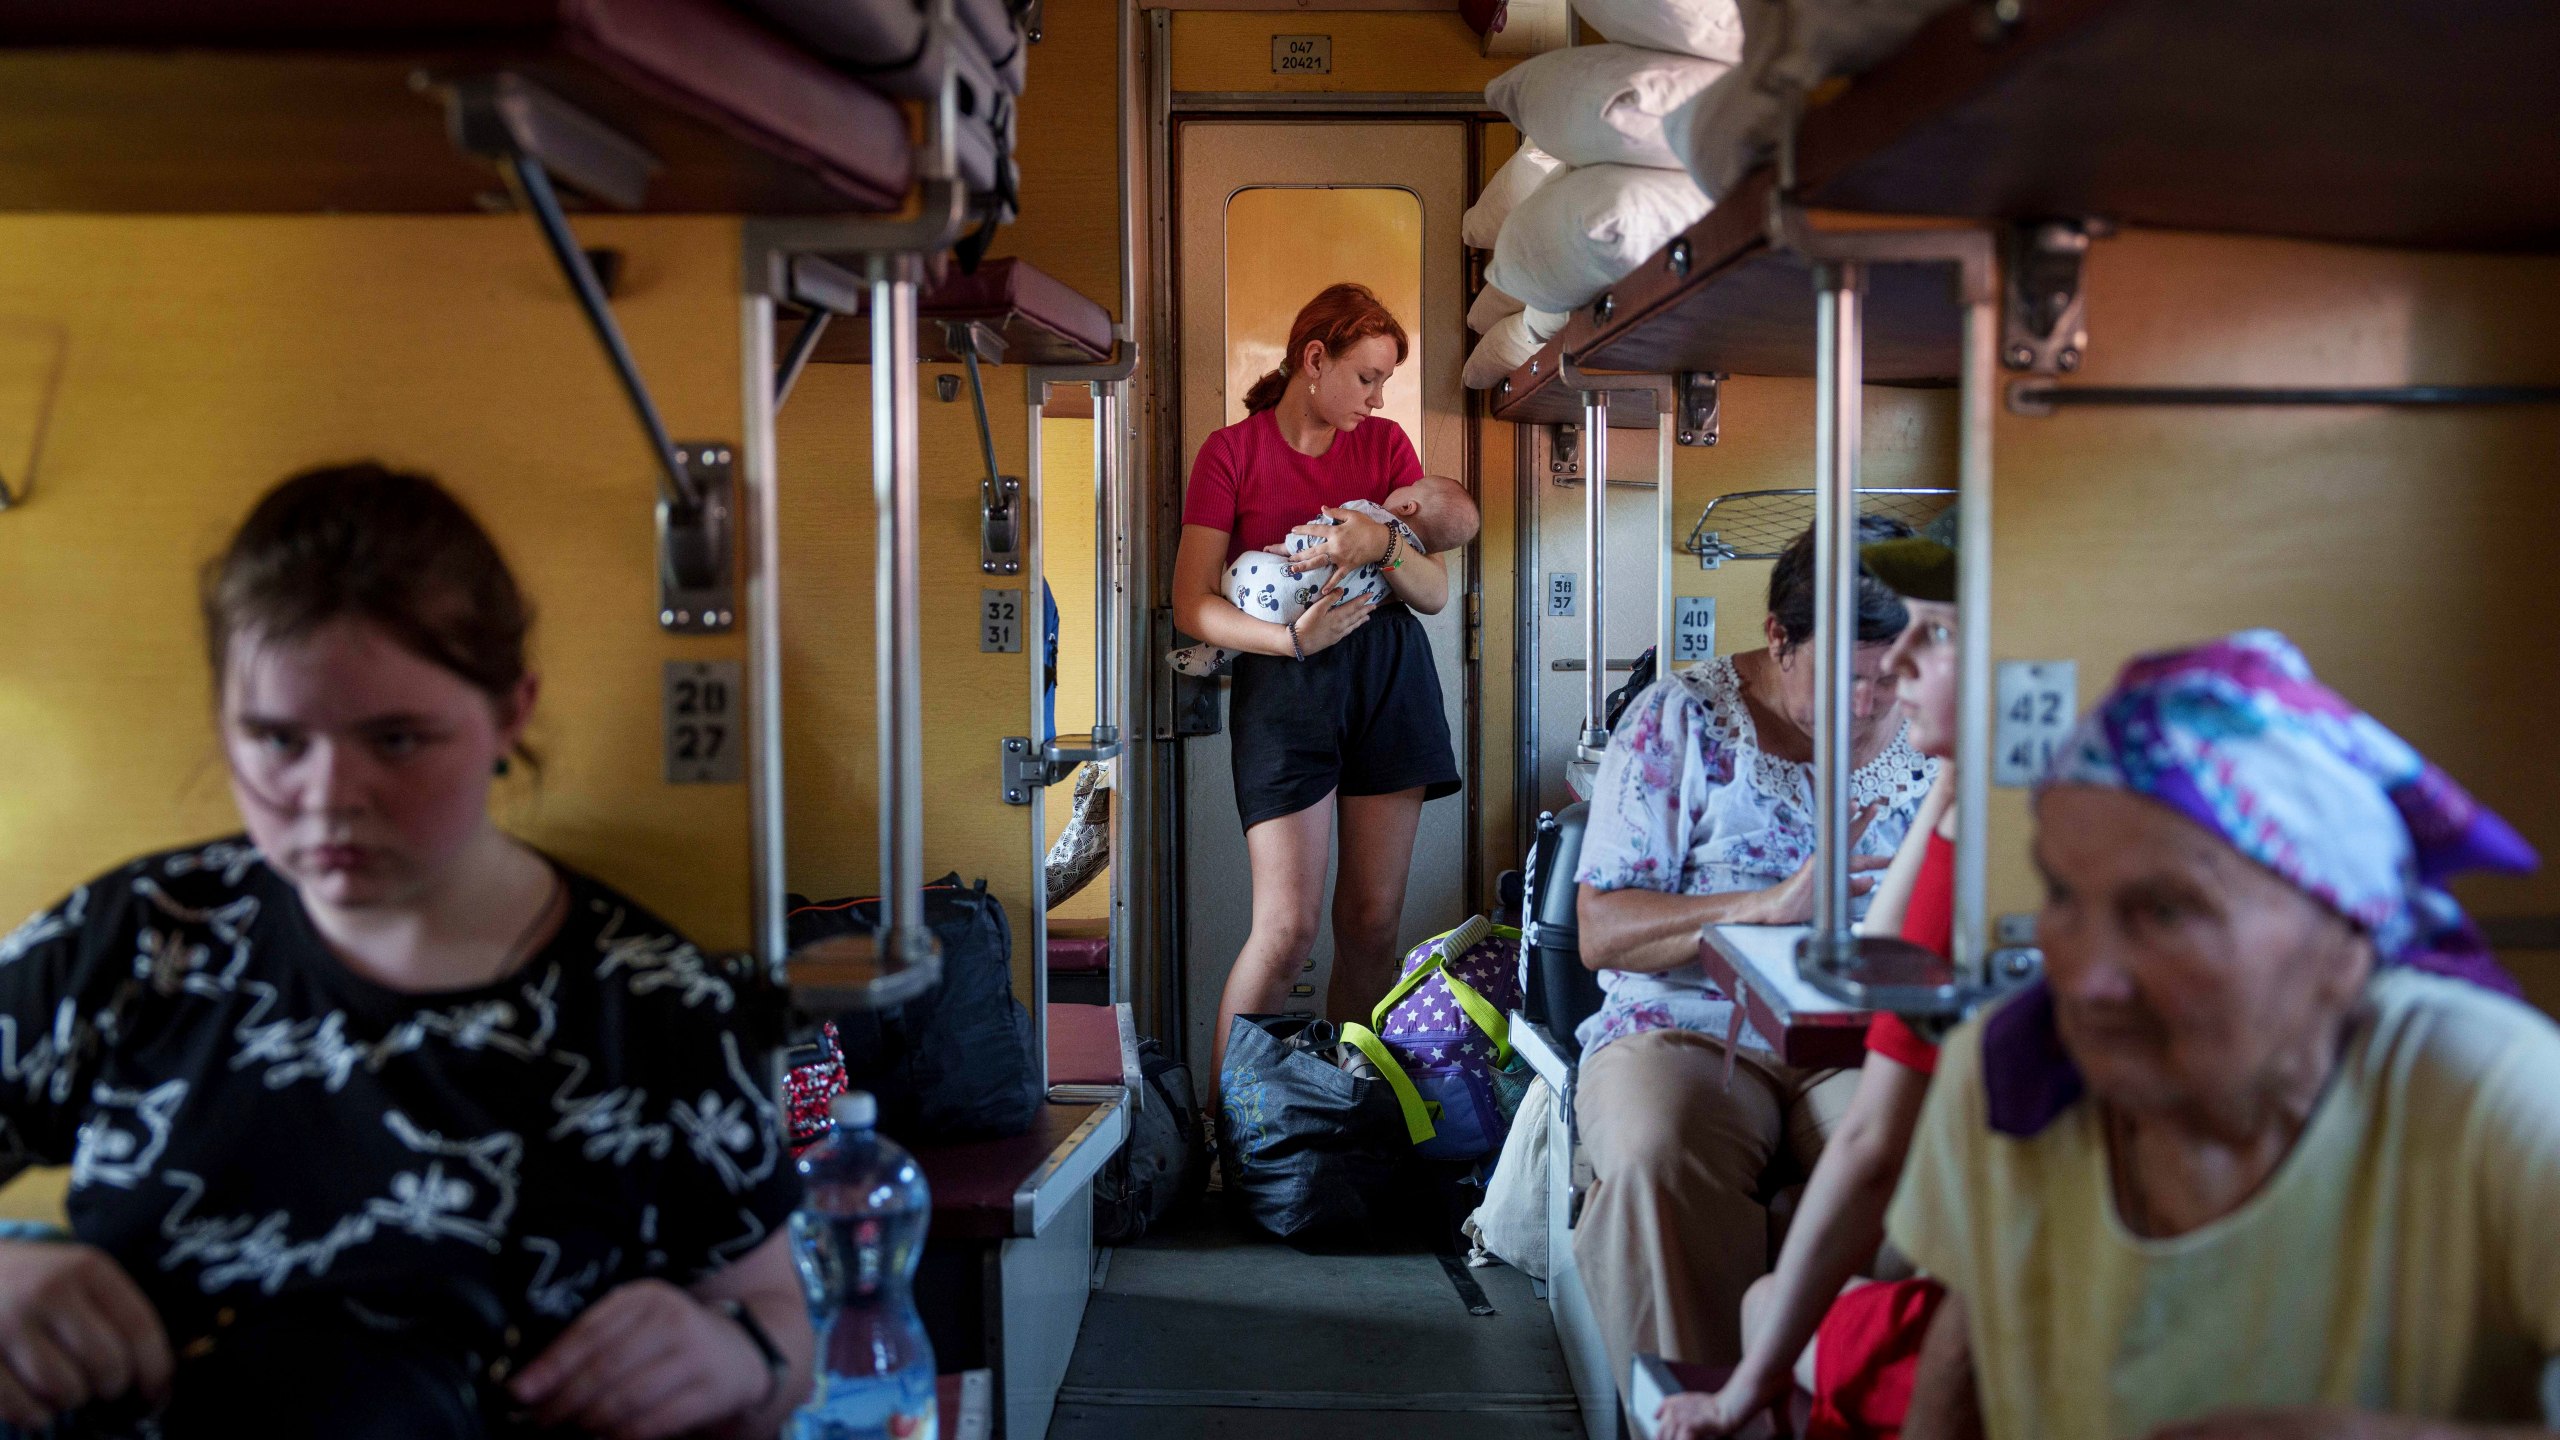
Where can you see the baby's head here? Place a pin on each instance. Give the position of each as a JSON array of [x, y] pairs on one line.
[[1441, 512]]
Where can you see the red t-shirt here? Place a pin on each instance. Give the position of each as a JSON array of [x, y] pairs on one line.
[[1247, 481], [1929, 922]]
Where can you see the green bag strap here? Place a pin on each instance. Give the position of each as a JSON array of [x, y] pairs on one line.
[[1495, 1025], [1412, 981], [1417, 1117], [1492, 1022], [1474, 932]]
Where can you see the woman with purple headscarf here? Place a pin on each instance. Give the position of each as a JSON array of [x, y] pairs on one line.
[[2267, 1152]]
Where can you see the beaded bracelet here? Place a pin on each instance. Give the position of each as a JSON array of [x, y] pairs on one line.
[[1292, 628], [1395, 541]]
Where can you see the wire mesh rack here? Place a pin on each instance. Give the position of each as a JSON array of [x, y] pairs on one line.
[[1760, 524]]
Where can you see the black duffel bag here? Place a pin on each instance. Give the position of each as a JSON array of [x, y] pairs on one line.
[[1312, 1150], [1162, 1166], [956, 1062]]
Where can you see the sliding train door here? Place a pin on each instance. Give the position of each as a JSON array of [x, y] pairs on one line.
[[1266, 215]]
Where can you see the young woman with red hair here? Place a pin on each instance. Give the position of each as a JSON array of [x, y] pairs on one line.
[[1336, 715]]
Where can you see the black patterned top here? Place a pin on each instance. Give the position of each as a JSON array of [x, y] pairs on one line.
[[247, 1118]]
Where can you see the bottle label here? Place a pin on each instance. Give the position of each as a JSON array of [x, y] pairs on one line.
[[925, 1424]]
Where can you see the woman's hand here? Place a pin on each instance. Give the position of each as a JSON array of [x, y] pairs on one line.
[[73, 1328], [1354, 541], [1790, 901], [1695, 1415], [647, 1360], [1332, 616]]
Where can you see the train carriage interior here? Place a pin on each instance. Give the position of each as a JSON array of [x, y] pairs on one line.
[[1292, 637]]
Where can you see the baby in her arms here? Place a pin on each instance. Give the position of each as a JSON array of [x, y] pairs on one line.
[[1430, 512]]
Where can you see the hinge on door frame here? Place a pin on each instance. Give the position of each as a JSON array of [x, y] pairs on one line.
[[1564, 457]]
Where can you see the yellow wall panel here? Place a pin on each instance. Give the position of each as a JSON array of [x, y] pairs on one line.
[[2408, 553], [1373, 51], [1070, 220], [971, 700], [206, 359]]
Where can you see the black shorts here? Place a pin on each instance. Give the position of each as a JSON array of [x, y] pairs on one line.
[[1362, 717]]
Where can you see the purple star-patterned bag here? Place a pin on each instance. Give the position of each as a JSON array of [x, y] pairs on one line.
[[1446, 1023]]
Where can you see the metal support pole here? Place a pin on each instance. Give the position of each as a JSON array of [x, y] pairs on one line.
[[1111, 686], [1595, 556], [1035, 590], [1838, 381], [803, 345], [895, 483], [1107, 532], [532, 184], [766, 777], [1666, 522], [1971, 942]]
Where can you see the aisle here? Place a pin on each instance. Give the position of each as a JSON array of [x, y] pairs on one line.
[[1215, 1331]]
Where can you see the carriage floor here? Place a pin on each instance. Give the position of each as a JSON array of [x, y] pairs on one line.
[[1211, 1329]]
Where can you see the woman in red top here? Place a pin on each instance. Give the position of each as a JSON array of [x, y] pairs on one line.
[[1336, 715], [1870, 1335]]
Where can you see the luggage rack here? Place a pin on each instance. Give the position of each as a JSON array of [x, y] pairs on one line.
[[1760, 523]]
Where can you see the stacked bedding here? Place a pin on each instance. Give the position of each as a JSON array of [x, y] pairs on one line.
[[1629, 143], [1597, 185], [1789, 47]]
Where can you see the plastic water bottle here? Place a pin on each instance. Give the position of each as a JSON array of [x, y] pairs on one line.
[[856, 1238]]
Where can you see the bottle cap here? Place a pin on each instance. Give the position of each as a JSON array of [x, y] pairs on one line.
[[855, 1110]]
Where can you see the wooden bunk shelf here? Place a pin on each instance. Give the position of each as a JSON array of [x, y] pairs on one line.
[[1720, 299], [301, 106], [2362, 121], [2365, 121], [1041, 320]]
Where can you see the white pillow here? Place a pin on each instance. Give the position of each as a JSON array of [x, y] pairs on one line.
[[1545, 325], [1708, 29], [1505, 348], [1587, 229], [1789, 47], [1525, 171], [1601, 104], [1489, 308]]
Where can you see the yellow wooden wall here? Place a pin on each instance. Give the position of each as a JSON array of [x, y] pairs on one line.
[[206, 359], [1070, 217], [971, 700], [2408, 553]]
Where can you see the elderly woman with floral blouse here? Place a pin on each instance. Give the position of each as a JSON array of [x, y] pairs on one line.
[[1702, 813]]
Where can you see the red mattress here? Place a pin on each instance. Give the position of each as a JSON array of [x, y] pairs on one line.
[[1043, 321], [1079, 954], [303, 105], [1084, 1045]]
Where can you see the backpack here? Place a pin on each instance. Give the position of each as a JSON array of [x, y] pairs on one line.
[[1639, 679], [1162, 1165], [1445, 1025], [956, 1062]]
